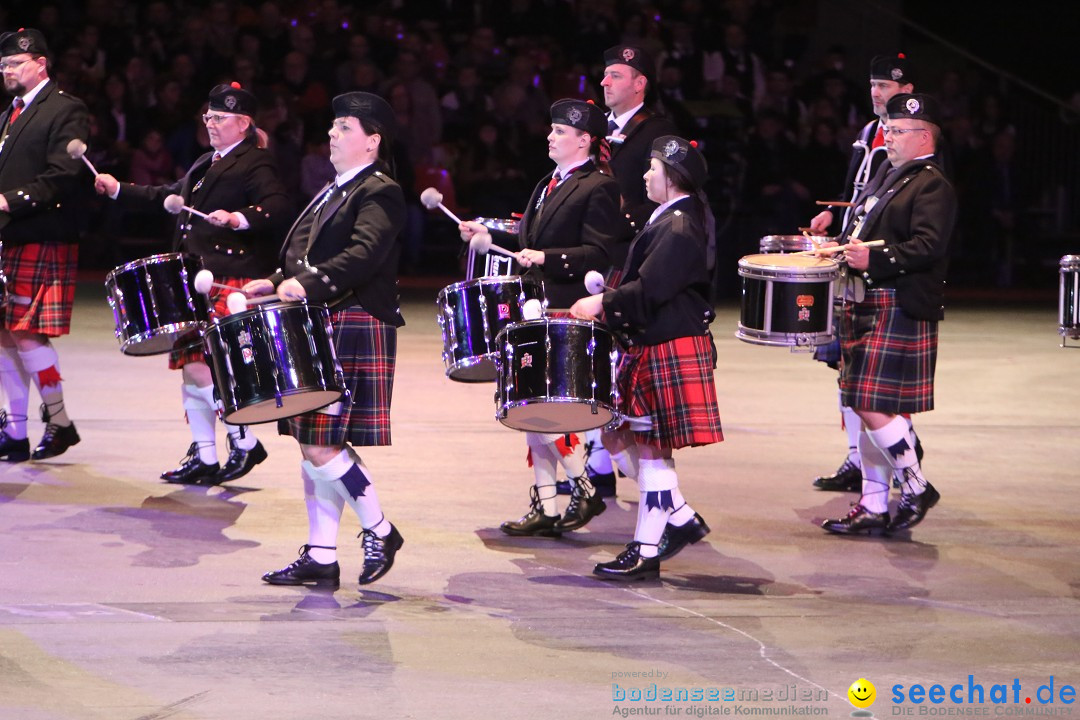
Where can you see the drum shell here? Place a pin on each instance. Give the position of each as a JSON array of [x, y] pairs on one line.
[[274, 361], [1069, 297], [787, 302], [154, 302], [556, 375], [472, 313]]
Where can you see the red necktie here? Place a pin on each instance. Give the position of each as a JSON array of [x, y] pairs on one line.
[[18, 109], [551, 185], [879, 138], [217, 156]]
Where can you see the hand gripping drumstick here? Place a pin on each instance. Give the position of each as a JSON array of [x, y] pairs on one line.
[[77, 150], [837, 248], [594, 283], [174, 204]]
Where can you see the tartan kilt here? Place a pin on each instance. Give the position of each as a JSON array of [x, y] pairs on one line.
[[367, 350], [189, 347], [40, 287], [888, 357], [673, 382]]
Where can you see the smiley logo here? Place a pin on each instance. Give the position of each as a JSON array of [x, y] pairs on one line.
[[862, 693]]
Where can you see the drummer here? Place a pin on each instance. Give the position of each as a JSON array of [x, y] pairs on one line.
[[660, 312], [247, 210], [568, 229], [343, 251]]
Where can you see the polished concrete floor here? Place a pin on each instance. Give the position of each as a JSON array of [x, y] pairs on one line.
[[123, 598]]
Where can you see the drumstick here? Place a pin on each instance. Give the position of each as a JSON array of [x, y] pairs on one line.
[[834, 203], [77, 150], [238, 302], [174, 204], [432, 198], [813, 240], [481, 243], [837, 248], [594, 283], [204, 280]]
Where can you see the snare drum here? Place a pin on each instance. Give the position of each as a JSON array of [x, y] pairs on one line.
[[789, 243], [556, 375], [154, 302], [274, 361], [1069, 299], [787, 300], [472, 313]]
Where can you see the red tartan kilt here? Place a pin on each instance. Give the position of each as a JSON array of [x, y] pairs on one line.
[[40, 287], [367, 350], [673, 383], [189, 348], [888, 357]]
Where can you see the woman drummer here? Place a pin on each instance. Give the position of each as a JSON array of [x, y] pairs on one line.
[[661, 314], [568, 228]]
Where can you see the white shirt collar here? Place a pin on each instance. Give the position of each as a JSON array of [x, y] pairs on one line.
[[665, 206], [226, 151], [564, 171], [621, 120], [29, 96], [350, 174]]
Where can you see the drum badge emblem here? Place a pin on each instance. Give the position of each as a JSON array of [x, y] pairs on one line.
[[628, 54], [573, 115], [230, 102], [526, 360], [246, 352], [912, 106], [805, 302], [504, 311]]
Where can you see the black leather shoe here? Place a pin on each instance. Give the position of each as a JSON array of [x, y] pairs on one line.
[[306, 571], [379, 553], [55, 441], [239, 464], [583, 507], [12, 450], [629, 565], [191, 468], [858, 520], [533, 523], [913, 508], [848, 478], [676, 537]]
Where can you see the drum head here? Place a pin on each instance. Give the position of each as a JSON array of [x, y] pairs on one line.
[[555, 415], [778, 260]]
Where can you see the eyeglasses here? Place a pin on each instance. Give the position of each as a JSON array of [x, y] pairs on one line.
[[13, 64], [215, 119], [900, 131]]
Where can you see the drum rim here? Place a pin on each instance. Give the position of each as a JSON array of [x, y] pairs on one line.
[[594, 324], [501, 412], [829, 262], [288, 393], [472, 361], [490, 280], [151, 260], [1072, 261], [754, 336], [262, 309], [170, 329]]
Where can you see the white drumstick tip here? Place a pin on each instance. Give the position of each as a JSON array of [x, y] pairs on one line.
[[174, 204], [431, 198], [236, 303], [480, 243], [594, 282], [76, 148], [204, 280], [532, 309]]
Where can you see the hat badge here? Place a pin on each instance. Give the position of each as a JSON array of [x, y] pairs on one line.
[[24, 43], [628, 54], [573, 115], [896, 74], [670, 148], [912, 106], [230, 102]]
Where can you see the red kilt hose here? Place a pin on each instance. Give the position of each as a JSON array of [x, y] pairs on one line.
[[367, 350], [888, 356], [189, 348], [40, 287], [673, 383]]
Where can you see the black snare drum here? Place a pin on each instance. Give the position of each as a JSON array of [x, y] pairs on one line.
[[787, 300], [472, 313], [789, 243], [274, 361], [556, 375], [154, 302], [1069, 299]]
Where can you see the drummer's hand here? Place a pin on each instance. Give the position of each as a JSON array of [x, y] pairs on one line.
[[821, 222], [106, 184], [529, 257], [255, 288], [291, 289], [470, 228], [223, 218], [588, 308], [858, 255]]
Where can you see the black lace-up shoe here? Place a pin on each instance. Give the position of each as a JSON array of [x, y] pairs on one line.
[[55, 441], [12, 450], [913, 508], [676, 537], [534, 522], [629, 565], [848, 478], [585, 504], [379, 553], [305, 571], [239, 464], [191, 468], [858, 520]]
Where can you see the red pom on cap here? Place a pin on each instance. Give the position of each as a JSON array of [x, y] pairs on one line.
[[22, 29], [590, 102], [902, 56], [235, 85], [693, 143]]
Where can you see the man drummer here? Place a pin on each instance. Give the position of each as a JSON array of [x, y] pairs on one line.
[[38, 181], [889, 76], [889, 326], [569, 226], [238, 187], [344, 251]]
